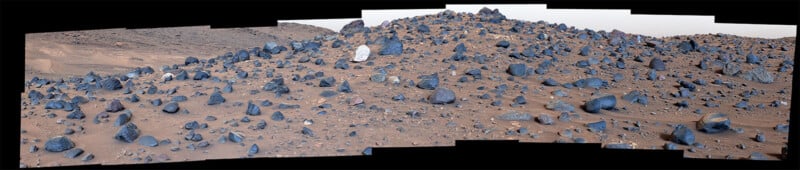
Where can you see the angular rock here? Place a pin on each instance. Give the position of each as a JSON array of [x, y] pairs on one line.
[[58, 144], [429, 82], [327, 82], [442, 96], [345, 87], [114, 106], [127, 133], [682, 135], [235, 137], [353, 27], [76, 114], [731, 69], [253, 150], [252, 109], [277, 116], [759, 74], [111, 84], [215, 98], [544, 119], [657, 64]]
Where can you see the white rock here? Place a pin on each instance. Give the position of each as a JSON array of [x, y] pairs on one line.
[[394, 79], [362, 53], [167, 75]]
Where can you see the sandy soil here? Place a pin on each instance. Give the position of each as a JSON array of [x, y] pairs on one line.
[[58, 55]]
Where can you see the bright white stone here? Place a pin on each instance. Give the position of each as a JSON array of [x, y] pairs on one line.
[[362, 53]]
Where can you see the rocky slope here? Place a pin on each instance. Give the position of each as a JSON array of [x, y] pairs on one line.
[[428, 81]]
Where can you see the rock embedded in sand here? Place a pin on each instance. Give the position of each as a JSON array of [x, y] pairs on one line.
[[171, 107], [598, 126], [759, 74], [442, 96], [277, 116], [362, 53], [731, 69], [76, 114], [253, 150], [392, 46], [544, 119], [73, 153], [58, 144], [327, 82], [429, 82], [127, 133], [517, 70], [345, 87], [515, 116], [605, 103], [714, 123], [561, 106], [148, 140]]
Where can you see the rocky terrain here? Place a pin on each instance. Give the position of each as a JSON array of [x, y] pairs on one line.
[[419, 81]]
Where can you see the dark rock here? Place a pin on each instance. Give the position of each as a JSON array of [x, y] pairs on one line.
[[731, 69], [307, 131], [670, 146], [586, 51], [261, 124], [503, 44], [327, 82], [235, 137], [195, 137], [564, 117], [171, 107], [759, 74], [760, 138], [200, 75], [367, 151], [752, 59], [520, 100], [517, 69], [183, 75], [127, 133], [606, 103], [597, 126], [179, 98], [33, 149], [156, 102], [114, 106], [123, 118], [619, 146], [550, 82], [399, 97], [429, 82], [356, 26], [216, 98], [561, 106], [111, 84], [714, 123], [148, 140], [76, 114], [682, 135], [475, 73], [345, 87], [442, 96], [657, 64], [190, 60], [253, 150], [757, 156], [784, 128], [73, 153], [191, 125], [252, 109], [544, 119], [266, 103], [593, 82], [392, 46], [515, 116], [55, 104], [277, 116], [58, 144]]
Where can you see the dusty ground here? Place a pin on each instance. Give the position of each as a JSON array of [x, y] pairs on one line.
[[58, 55]]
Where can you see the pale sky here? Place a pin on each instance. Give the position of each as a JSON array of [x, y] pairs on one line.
[[651, 25]]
